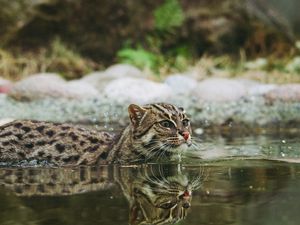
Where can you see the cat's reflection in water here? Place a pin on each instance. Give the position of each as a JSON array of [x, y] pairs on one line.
[[157, 194]]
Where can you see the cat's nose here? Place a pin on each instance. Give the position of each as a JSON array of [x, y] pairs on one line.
[[185, 134]]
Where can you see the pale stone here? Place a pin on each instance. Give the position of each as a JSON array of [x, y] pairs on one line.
[[285, 93], [49, 85], [81, 90], [137, 90], [255, 88], [4, 81], [219, 90], [100, 79], [97, 79], [181, 84], [123, 70], [5, 85], [261, 89]]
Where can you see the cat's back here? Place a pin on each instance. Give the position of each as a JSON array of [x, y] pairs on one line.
[[59, 144]]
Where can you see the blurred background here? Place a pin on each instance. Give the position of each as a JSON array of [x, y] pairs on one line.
[[75, 37]]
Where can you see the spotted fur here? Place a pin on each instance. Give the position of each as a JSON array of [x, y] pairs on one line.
[[58, 144], [156, 131]]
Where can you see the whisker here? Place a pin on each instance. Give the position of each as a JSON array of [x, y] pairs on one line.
[[196, 138], [160, 147]]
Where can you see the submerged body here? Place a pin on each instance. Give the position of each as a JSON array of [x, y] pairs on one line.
[[156, 131], [58, 144]]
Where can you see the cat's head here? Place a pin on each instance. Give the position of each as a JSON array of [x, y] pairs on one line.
[[160, 128]]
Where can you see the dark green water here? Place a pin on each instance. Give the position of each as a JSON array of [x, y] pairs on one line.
[[253, 180]]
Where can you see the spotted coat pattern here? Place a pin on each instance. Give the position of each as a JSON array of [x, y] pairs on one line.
[[59, 144], [155, 131]]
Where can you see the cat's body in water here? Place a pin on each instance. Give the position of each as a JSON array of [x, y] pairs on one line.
[[155, 131]]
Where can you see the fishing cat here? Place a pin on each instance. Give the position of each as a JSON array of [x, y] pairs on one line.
[[155, 131]]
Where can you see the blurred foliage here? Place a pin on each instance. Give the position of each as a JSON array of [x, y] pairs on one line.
[[158, 64], [13, 16], [152, 54], [168, 15], [67, 62], [163, 36], [57, 58], [266, 70], [139, 57]]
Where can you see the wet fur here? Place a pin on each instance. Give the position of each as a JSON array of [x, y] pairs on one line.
[[143, 140]]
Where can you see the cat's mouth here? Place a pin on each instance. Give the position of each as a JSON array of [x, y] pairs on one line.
[[178, 143], [168, 148], [178, 147]]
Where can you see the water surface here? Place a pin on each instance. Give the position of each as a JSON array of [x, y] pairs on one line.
[[247, 180]]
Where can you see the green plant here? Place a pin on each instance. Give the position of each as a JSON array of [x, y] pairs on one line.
[[138, 57], [152, 54], [168, 15]]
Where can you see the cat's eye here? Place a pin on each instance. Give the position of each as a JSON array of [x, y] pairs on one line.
[[185, 122], [166, 123]]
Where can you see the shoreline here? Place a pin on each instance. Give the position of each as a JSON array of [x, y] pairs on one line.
[[253, 118]]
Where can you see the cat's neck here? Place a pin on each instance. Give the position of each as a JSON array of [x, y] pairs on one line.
[[124, 148]]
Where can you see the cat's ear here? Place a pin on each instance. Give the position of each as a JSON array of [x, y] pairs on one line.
[[136, 114]]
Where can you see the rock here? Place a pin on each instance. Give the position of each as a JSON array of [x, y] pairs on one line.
[[181, 84], [123, 70], [219, 90], [247, 82], [235, 116], [101, 78], [4, 81], [81, 90], [49, 85], [137, 90], [261, 89], [285, 93], [38, 86], [5, 85], [97, 79], [255, 88]]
